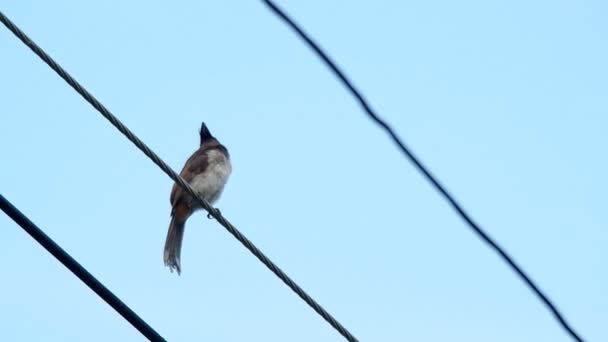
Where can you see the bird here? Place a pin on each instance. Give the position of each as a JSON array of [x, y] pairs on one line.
[[206, 171]]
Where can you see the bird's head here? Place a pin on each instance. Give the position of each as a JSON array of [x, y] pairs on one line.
[[205, 134]]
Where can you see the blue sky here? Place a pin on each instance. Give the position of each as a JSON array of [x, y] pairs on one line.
[[505, 101]]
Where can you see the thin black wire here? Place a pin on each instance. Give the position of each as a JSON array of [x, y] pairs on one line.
[[79, 271], [427, 174], [175, 177]]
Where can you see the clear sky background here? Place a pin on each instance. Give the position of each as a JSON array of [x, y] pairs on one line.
[[505, 101]]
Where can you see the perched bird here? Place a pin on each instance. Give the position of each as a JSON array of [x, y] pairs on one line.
[[207, 171]]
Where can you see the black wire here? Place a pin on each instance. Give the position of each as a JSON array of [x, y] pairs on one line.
[[427, 174], [175, 177], [78, 270]]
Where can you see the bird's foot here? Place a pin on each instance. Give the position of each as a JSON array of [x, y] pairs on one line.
[[209, 214]]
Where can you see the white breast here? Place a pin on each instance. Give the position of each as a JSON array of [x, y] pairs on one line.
[[210, 183]]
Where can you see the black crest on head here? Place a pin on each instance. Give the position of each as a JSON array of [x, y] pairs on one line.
[[205, 134]]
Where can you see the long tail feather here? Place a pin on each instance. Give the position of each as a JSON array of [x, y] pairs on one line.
[[173, 245]]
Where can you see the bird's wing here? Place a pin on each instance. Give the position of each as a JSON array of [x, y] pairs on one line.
[[196, 164]]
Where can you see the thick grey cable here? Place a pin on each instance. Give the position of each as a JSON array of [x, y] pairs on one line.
[[175, 177], [423, 169]]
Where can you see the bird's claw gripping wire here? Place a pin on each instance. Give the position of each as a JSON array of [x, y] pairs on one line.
[[211, 217]]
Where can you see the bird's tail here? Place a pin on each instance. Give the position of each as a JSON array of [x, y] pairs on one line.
[[173, 244]]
